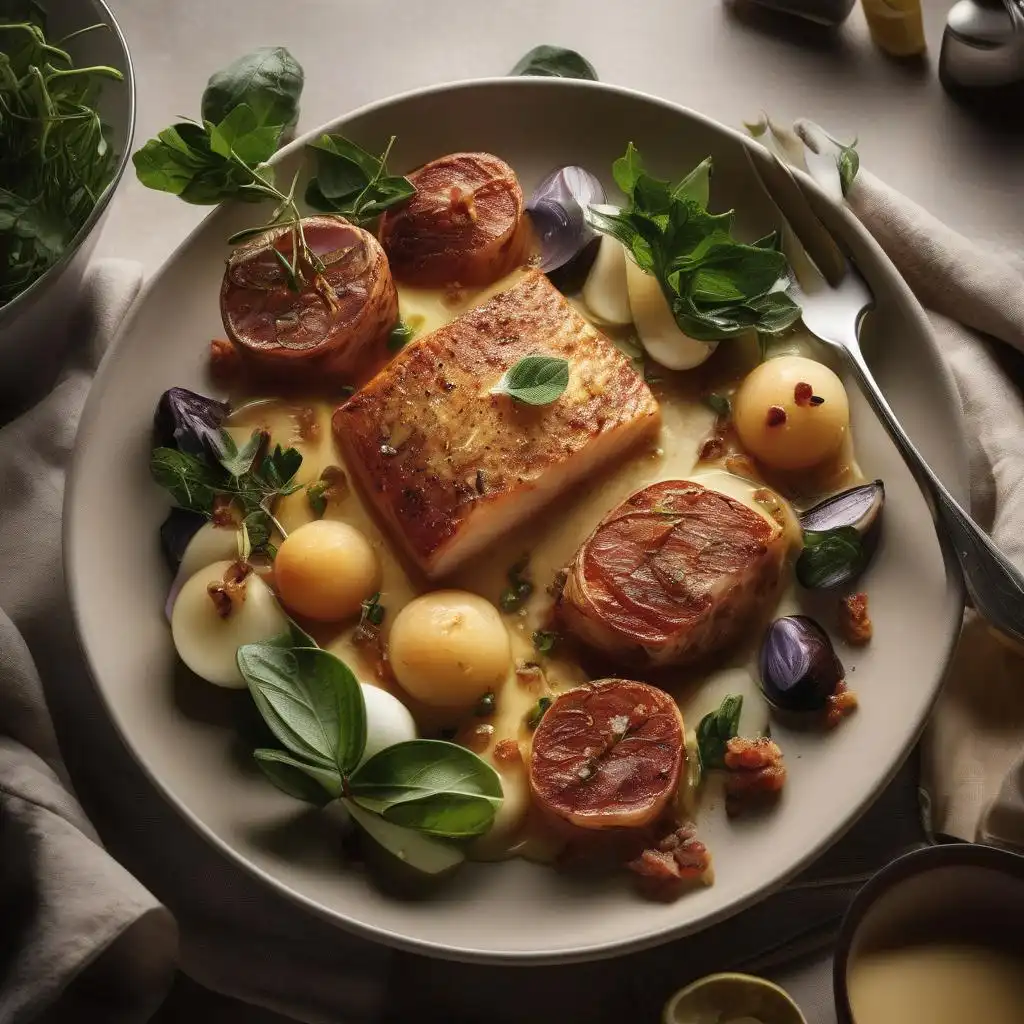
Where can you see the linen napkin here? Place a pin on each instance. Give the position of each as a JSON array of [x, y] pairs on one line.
[[80, 938], [83, 941]]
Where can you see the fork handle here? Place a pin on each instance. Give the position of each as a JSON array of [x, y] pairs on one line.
[[995, 585]]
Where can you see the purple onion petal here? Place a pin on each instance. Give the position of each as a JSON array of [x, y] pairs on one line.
[[556, 210]]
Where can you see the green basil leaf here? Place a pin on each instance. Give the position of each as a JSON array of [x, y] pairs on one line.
[[696, 186], [717, 287], [304, 781], [160, 167], [429, 785], [555, 62], [310, 700], [269, 80], [352, 182], [848, 164], [716, 729], [238, 461], [628, 170], [342, 167], [831, 557], [242, 134], [400, 336], [191, 482], [433, 857], [535, 380], [279, 466]]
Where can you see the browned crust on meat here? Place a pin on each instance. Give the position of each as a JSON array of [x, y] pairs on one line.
[[431, 445], [607, 755], [320, 335], [641, 587], [465, 223]]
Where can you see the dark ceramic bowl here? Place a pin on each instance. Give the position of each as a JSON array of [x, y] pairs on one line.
[[958, 891]]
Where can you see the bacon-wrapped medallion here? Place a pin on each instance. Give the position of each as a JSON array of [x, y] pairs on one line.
[[319, 334], [464, 225], [674, 573], [608, 755]]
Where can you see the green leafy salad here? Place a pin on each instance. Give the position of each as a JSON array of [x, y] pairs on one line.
[[55, 152]]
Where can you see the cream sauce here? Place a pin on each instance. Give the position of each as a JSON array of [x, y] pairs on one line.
[[939, 983], [550, 540]]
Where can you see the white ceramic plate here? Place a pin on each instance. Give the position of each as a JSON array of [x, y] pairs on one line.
[[186, 736]]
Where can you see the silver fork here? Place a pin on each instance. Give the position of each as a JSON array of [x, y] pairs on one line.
[[834, 313]]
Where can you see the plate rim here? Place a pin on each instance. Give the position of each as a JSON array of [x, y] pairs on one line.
[[74, 586]]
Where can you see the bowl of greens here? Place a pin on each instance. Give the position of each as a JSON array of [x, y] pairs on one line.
[[67, 115]]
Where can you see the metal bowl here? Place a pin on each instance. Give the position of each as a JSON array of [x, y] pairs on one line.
[[34, 325]]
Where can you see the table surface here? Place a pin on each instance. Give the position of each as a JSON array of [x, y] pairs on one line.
[[702, 53]]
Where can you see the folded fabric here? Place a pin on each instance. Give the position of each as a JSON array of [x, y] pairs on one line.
[[974, 294], [81, 939]]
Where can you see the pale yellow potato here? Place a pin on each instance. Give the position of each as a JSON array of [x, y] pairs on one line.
[[324, 570], [450, 647], [782, 431], [208, 643]]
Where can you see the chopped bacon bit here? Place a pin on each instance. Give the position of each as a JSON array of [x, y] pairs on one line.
[[755, 773], [803, 393], [675, 862], [776, 416], [711, 449], [225, 362], [529, 674], [508, 752], [309, 427], [854, 621], [842, 703]]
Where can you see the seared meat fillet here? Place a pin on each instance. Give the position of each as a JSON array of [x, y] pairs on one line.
[[608, 755], [464, 225], [320, 334], [451, 466], [674, 573]]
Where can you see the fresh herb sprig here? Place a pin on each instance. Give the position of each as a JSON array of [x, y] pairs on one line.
[[353, 183], [716, 729], [716, 286], [314, 706], [247, 108], [55, 153], [247, 481]]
